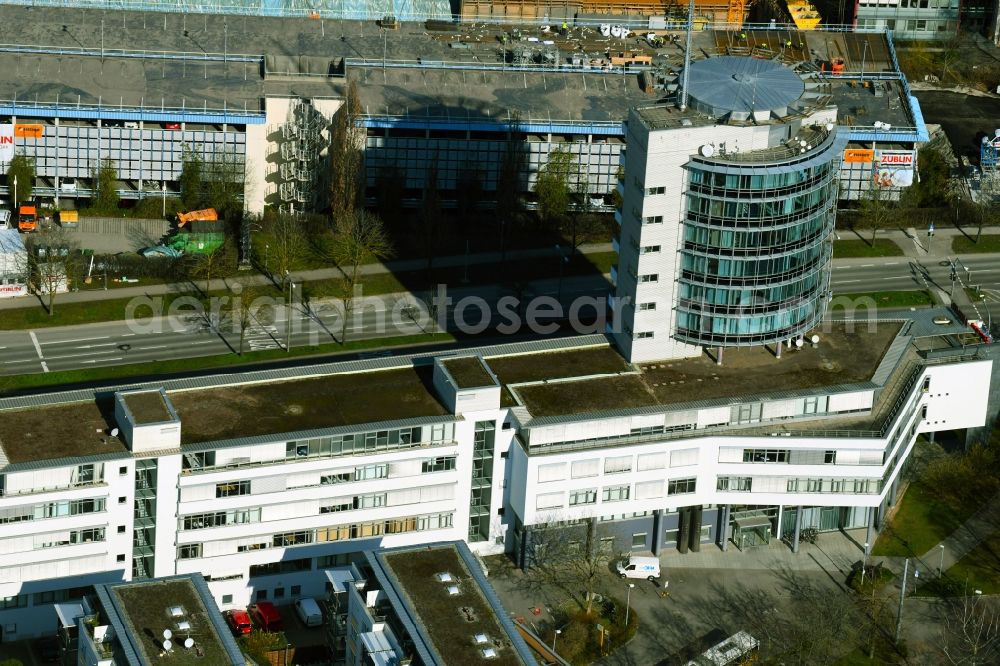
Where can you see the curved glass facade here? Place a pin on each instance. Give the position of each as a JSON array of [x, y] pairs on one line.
[[755, 257]]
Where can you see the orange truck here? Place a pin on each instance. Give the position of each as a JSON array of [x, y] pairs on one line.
[[206, 215], [27, 218]]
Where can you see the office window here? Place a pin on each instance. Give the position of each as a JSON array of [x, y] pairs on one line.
[[649, 249], [617, 464], [639, 540], [296, 590], [616, 493], [121, 558], [261, 595], [122, 471], [681, 486], [656, 190], [340, 477], [650, 277], [189, 551], [765, 455], [227, 599], [369, 472], [279, 593], [644, 335], [588, 496], [647, 306], [653, 219], [734, 483], [121, 529], [440, 464], [232, 489], [830, 457]]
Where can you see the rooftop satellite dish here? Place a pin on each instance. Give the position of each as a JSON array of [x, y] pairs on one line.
[[167, 634], [886, 126], [189, 643], [802, 143], [798, 342], [114, 432], [996, 133], [814, 339], [878, 124], [829, 127], [707, 150], [167, 645]]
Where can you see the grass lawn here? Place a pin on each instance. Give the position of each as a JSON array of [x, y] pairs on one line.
[[979, 570], [883, 299], [855, 247], [920, 522], [987, 243], [224, 361]]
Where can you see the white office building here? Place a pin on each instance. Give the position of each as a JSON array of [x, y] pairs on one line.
[[260, 481]]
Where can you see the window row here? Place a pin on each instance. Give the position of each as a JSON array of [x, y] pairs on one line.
[[741, 296], [338, 445], [742, 182], [707, 328], [56, 539], [51, 510], [856, 486], [221, 519], [422, 523]]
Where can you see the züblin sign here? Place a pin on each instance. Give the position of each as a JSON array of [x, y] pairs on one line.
[[6, 143]]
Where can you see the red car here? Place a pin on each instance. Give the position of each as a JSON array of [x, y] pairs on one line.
[[239, 622], [266, 616], [171, 126]]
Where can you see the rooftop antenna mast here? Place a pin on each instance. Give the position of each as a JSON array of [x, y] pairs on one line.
[[687, 56]]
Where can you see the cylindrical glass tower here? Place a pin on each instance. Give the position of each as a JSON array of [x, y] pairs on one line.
[[756, 249]]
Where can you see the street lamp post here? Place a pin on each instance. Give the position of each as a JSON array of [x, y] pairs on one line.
[[554, 637], [941, 561], [267, 256], [163, 196], [628, 602], [15, 190], [902, 595], [288, 324], [864, 564]]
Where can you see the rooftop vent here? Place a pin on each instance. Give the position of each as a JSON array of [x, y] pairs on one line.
[[176, 611], [489, 653], [184, 626], [481, 638], [453, 590], [444, 577]]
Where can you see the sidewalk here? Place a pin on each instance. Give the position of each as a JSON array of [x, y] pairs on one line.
[[401, 266], [915, 243], [978, 528]]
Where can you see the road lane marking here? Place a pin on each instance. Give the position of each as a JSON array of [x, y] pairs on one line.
[[38, 349], [95, 360], [846, 281], [62, 342], [23, 360]]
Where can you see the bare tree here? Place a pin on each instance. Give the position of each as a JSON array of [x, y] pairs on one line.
[[284, 243], [251, 305], [211, 263], [971, 632], [53, 259], [347, 182], [878, 205], [570, 559], [985, 207], [357, 239]]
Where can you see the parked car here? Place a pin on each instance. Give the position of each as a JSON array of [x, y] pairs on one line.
[[239, 621], [67, 185], [266, 616], [309, 612], [171, 126]]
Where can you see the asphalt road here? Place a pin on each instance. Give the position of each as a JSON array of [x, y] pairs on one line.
[[192, 335]]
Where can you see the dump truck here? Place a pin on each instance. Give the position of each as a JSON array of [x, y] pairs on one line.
[[198, 232], [27, 218]]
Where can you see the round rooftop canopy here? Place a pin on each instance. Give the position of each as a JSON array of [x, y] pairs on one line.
[[742, 87]]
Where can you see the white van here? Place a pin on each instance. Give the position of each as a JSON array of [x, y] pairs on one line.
[[638, 566], [309, 612]]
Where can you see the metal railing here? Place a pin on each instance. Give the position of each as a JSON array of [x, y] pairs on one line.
[[142, 54]]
